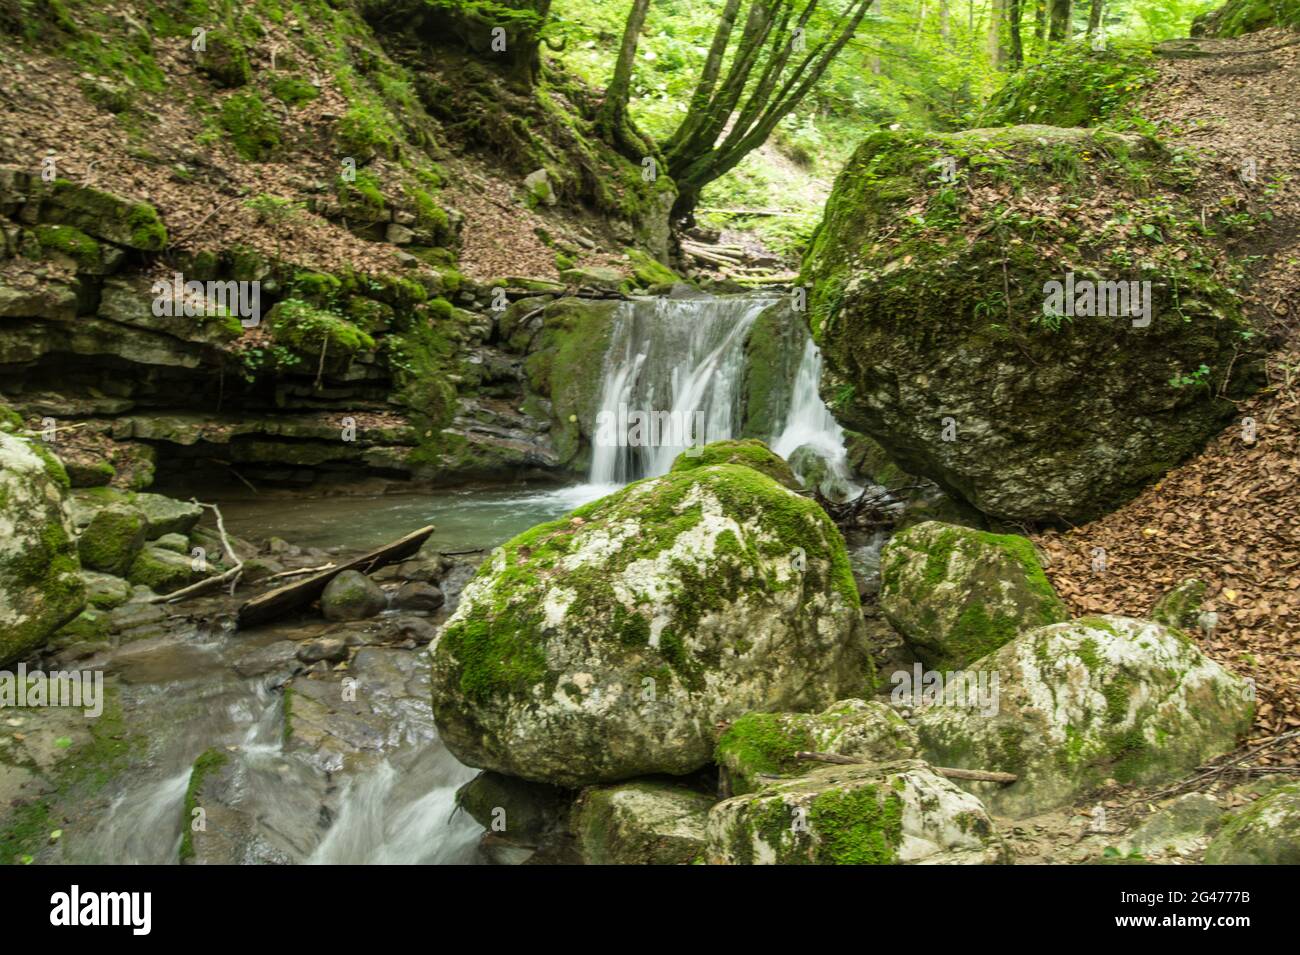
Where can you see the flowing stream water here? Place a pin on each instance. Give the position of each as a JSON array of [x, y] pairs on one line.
[[684, 357]]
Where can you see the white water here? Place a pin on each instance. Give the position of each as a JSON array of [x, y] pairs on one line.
[[684, 361]]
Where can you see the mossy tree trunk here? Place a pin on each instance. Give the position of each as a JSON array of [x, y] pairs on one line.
[[612, 120], [774, 66], [1094, 16]]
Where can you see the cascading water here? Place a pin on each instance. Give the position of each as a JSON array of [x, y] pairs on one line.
[[674, 375], [678, 363]]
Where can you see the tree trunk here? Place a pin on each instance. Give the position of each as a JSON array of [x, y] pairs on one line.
[[612, 122], [996, 36], [1094, 16], [1060, 26], [1017, 49], [1040, 22]]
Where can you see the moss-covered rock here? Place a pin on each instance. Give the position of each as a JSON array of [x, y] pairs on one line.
[[104, 215], [607, 644], [166, 515], [352, 596], [931, 301], [563, 366], [749, 452], [1180, 607], [597, 276], [162, 571], [112, 539], [764, 744], [1267, 832], [647, 271], [1081, 702], [317, 333], [225, 61], [772, 354], [957, 594], [877, 814], [40, 583], [644, 822], [105, 591], [524, 812], [1238, 17]]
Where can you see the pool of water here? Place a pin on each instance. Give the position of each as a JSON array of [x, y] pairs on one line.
[[467, 519]]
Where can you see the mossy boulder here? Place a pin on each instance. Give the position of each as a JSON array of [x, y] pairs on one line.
[[772, 355], [320, 334], [104, 215], [1081, 702], [647, 271], [877, 814], [105, 591], [609, 643], [1180, 607], [523, 811], [1267, 832], [40, 584], [764, 744], [112, 539], [166, 515], [352, 595], [597, 276], [932, 303], [162, 571], [957, 594], [644, 822], [748, 452], [1238, 17]]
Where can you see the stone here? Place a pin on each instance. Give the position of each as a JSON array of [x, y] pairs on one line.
[[330, 648], [105, 591], [643, 822], [538, 186], [1267, 832], [112, 539], [1078, 703], [177, 543], [1181, 607], [607, 644], [352, 595], [747, 452], [165, 515], [877, 814], [40, 584], [525, 812], [162, 571], [939, 340], [762, 745], [596, 276], [418, 596], [957, 594]]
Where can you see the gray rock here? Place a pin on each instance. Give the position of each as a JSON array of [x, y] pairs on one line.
[[352, 595], [165, 515], [642, 822], [416, 595], [1267, 832]]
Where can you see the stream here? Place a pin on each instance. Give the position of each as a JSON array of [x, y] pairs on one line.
[[387, 796]]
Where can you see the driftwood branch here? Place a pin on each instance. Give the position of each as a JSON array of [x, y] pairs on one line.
[[275, 603], [977, 775]]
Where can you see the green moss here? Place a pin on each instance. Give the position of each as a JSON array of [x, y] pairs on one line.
[[72, 242], [749, 452], [762, 744], [209, 761], [292, 90], [1238, 17], [250, 126], [365, 131], [313, 332], [860, 826]]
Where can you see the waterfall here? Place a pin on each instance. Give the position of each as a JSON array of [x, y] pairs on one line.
[[674, 374], [678, 363]]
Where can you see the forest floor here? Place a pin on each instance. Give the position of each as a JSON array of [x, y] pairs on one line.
[[1229, 516]]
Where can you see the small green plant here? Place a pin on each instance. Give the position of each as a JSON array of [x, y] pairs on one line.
[[1198, 378]]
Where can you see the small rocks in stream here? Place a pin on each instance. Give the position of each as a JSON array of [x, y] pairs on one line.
[[416, 595], [352, 596], [333, 649], [281, 656]]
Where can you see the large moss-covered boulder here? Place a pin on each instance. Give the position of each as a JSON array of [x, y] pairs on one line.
[[875, 814], [40, 584], [644, 822], [944, 340], [1237, 17], [747, 452], [957, 594], [1082, 702], [112, 539], [760, 746], [1267, 832], [166, 515], [162, 571], [104, 215], [608, 644]]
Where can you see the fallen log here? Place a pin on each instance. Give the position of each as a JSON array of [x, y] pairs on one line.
[[977, 775], [275, 603]]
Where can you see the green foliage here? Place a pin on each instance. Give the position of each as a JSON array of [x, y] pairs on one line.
[[1074, 87], [251, 127]]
